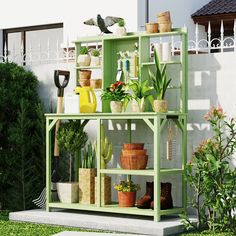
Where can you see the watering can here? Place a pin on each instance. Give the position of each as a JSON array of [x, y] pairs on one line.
[[88, 101]]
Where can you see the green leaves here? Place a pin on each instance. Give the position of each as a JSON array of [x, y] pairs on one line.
[[159, 80]]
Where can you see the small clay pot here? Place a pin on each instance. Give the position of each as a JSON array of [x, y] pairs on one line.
[[84, 60], [84, 82], [163, 17], [151, 28], [133, 146], [165, 27], [96, 83], [134, 162], [95, 61], [126, 153], [160, 106], [85, 74], [126, 199], [116, 106]]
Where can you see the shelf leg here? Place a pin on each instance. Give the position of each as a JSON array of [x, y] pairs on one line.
[[130, 140], [184, 161], [48, 164], [98, 163], [77, 163], [157, 182]]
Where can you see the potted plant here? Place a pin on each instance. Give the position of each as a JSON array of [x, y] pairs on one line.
[[84, 57], [140, 94], [71, 138], [106, 154], [87, 174], [117, 95], [126, 193], [160, 84], [95, 58], [121, 30]]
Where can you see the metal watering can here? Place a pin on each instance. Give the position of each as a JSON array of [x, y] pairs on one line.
[[88, 100]]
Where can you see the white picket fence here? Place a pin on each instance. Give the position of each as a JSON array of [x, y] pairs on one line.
[[67, 54]]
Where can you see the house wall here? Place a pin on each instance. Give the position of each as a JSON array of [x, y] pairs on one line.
[[211, 82], [1, 39], [72, 13], [180, 10]]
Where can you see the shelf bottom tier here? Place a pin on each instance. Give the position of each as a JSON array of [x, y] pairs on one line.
[[114, 208]]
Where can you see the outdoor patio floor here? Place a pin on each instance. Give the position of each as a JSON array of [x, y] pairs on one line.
[[169, 225]]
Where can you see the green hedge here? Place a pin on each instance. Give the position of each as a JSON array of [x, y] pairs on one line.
[[22, 144]]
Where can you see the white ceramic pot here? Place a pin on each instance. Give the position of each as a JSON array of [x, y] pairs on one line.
[[84, 60], [68, 192], [95, 61], [166, 51], [160, 106], [120, 31], [158, 47], [136, 107], [116, 106]]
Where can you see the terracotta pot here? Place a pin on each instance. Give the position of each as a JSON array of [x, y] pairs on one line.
[[134, 152], [165, 27], [126, 199], [116, 106], [105, 190], [95, 61], [151, 28], [134, 162], [133, 146], [96, 83], [84, 82], [85, 74], [68, 192], [84, 60], [160, 105], [163, 17]]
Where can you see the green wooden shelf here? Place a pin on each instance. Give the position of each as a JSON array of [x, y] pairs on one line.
[[111, 45], [162, 62], [88, 67], [114, 208]]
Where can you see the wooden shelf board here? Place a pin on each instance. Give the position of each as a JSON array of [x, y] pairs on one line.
[[88, 67]]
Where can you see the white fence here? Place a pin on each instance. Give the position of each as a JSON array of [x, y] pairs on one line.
[[197, 45]]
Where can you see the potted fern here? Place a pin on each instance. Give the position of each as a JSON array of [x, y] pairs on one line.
[[126, 193], [121, 30], [95, 58], [84, 57], [71, 138], [141, 92], [87, 174], [160, 85]]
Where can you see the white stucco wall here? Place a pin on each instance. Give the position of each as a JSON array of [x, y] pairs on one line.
[[1, 39], [72, 13], [181, 11]]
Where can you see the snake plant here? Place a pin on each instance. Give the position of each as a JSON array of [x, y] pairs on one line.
[[159, 80]]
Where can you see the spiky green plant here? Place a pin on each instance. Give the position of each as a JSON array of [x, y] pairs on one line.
[[83, 50], [160, 81], [89, 156]]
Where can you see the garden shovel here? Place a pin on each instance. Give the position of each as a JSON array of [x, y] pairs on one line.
[[60, 94]]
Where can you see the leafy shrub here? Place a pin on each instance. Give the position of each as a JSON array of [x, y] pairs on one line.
[[22, 132], [213, 180]]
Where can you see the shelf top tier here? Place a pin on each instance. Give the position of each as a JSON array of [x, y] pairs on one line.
[[175, 31]]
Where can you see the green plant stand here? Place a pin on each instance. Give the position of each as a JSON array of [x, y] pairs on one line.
[[155, 121]]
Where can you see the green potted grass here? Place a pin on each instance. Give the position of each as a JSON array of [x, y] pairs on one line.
[[87, 174], [141, 93], [127, 193], [95, 58], [121, 30], [84, 57], [71, 138], [160, 84]]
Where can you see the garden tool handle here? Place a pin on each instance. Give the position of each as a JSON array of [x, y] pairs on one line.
[[66, 74]]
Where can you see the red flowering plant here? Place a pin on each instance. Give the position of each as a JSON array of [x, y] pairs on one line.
[[116, 92], [212, 178]]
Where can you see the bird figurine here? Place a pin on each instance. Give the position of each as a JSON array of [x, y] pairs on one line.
[[103, 23]]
